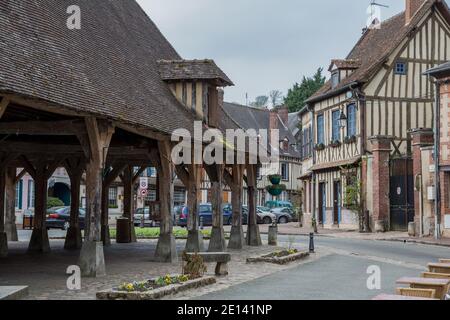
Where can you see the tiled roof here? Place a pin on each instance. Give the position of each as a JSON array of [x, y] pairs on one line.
[[255, 118], [107, 69], [345, 64], [375, 46], [193, 70]]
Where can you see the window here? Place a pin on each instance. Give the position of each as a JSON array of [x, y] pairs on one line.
[[401, 68], [112, 197], [336, 132], [285, 171], [151, 197], [30, 197], [19, 188], [306, 143], [258, 173], [151, 172], [184, 93], [320, 130], [351, 120], [194, 96], [179, 197], [335, 79]]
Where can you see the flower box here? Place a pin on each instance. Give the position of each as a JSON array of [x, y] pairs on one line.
[[335, 144], [350, 140], [319, 147], [280, 257], [151, 290]]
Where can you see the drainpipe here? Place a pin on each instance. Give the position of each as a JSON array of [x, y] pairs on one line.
[[437, 189]]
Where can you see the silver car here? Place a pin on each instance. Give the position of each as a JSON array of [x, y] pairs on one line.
[[284, 215]]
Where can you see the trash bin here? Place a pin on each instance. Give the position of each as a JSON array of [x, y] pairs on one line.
[[123, 234]]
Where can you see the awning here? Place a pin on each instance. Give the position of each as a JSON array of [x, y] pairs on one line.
[[306, 176], [337, 164]]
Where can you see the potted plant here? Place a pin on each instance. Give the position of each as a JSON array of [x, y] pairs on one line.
[[276, 190], [319, 147], [350, 139], [275, 179], [335, 144]]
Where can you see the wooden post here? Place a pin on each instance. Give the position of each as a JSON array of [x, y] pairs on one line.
[[236, 183], [41, 171], [3, 237], [92, 260], [166, 250], [191, 177], [128, 185], [10, 203], [74, 168], [217, 242], [253, 235]]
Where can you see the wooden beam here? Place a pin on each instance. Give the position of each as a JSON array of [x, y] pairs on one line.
[[3, 105], [144, 132], [53, 128]]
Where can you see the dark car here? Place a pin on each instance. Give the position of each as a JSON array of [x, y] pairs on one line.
[[205, 215], [284, 215], [59, 218]]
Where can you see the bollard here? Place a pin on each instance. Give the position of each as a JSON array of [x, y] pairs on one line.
[[201, 223], [311, 242], [273, 235]]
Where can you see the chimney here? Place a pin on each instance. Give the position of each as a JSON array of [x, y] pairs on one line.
[[412, 6], [283, 112]]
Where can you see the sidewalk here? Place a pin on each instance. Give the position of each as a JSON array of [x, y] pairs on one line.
[[293, 229]]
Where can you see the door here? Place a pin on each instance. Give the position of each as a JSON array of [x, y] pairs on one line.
[[401, 193], [337, 202], [322, 203]]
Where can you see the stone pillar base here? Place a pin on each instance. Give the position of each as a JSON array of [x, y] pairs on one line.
[[39, 241], [92, 259], [3, 245], [74, 240], [133, 233], [221, 269], [380, 226], [217, 242], [195, 241], [11, 232], [412, 229], [253, 236], [166, 250], [237, 239], [106, 236], [273, 236]]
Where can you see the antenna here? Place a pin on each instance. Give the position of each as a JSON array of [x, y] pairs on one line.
[[374, 4]]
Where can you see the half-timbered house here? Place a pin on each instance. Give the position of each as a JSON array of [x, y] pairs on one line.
[[360, 120]]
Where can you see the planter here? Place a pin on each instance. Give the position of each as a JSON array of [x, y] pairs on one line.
[[275, 179], [319, 147], [350, 140], [282, 257], [276, 190], [335, 144], [157, 293]]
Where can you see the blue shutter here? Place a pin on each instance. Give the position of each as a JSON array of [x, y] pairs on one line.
[[351, 120], [335, 117], [320, 128]]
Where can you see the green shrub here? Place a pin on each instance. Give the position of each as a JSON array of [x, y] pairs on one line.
[[54, 202]]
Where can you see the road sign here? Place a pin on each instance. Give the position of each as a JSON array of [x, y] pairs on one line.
[[143, 192], [143, 183]]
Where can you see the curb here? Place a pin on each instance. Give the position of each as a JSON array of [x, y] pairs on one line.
[[416, 242]]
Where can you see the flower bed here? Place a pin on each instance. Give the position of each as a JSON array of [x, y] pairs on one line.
[[156, 288], [280, 257]]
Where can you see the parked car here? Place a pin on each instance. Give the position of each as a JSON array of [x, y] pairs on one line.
[[279, 204], [59, 218], [205, 215], [263, 215], [284, 215], [142, 213]]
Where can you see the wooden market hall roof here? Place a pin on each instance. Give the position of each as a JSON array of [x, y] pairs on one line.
[[108, 69]]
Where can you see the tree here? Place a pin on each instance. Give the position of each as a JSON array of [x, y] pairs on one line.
[[260, 102], [299, 93], [276, 96], [354, 201]]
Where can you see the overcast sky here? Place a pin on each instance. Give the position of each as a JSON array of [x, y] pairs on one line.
[[264, 44]]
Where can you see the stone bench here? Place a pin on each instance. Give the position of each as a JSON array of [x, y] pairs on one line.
[[220, 258]]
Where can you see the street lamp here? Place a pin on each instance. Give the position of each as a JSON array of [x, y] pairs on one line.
[[342, 120]]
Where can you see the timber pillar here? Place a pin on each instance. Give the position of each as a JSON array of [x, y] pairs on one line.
[[217, 242], [92, 260], [166, 250], [381, 175], [128, 184], [421, 138], [74, 168], [3, 238], [191, 177], [236, 183], [253, 235], [10, 205]]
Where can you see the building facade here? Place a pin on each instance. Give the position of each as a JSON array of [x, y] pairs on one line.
[[357, 127]]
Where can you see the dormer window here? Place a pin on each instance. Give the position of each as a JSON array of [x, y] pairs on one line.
[[400, 68], [335, 79]]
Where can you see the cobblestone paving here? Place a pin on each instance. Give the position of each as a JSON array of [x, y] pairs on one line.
[[46, 274]]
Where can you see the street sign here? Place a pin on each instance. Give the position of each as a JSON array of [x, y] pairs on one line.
[[143, 192], [143, 183]]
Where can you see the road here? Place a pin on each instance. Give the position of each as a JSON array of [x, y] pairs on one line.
[[340, 273]]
